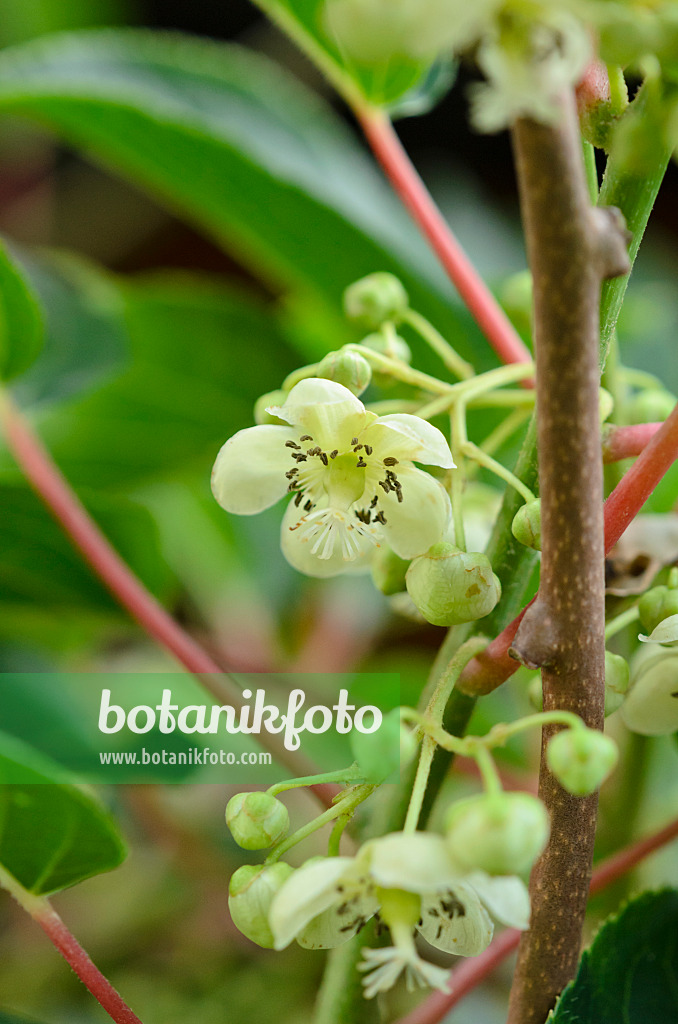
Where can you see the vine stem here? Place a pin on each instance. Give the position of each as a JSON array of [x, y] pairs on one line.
[[484, 308], [44, 914], [472, 972], [572, 247], [56, 493], [495, 665]]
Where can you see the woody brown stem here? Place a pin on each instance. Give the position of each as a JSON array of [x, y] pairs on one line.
[[572, 248]]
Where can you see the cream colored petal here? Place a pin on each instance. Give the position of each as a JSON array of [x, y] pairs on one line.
[[390, 861], [505, 896], [456, 921], [409, 438], [339, 537], [305, 894], [249, 472], [340, 922], [666, 632], [421, 518], [328, 411]]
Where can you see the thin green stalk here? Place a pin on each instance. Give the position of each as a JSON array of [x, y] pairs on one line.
[[434, 339]]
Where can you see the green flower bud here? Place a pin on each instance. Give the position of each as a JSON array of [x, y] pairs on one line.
[[535, 693], [347, 368], [656, 605], [256, 820], [650, 406], [388, 571], [450, 586], [381, 753], [605, 404], [501, 833], [651, 705], [516, 298], [616, 681], [374, 299], [250, 894], [581, 759], [526, 525], [391, 345], [273, 398]]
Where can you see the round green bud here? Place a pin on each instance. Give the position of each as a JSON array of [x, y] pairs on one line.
[[616, 681], [273, 398], [516, 298], [581, 759], [526, 525], [656, 605], [374, 299], [450, 586], [650, 406], [535, 693], [391, 345], [501, 833], [651, 705], [347, 368], [256, 820], [250, 894], [605, 404], [388, 571]]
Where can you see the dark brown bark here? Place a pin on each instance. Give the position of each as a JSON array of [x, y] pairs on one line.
[[572, 247]]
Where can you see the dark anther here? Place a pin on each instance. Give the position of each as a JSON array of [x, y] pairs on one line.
[[292, 444], [380, 518], [357, 448], [390, 461], [354, 440], [297, 500], [291, 473], [324, 459], [305, 437], [399, 493], [334, 454], [314, 451], [375, 499], [439, 932], [368, 449], [453, 907], [299, 457], [308, 506], [361, 464], [385, 484], [363, 515], [294, 486]]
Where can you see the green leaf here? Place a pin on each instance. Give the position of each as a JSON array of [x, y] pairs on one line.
[[86, 338], [21, 328], [39, 566], [52, 834], [229, 141], [381, 84], [200, 355], [629, 973]]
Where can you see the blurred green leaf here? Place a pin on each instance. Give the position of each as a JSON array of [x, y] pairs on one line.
[[629, 973], [38, 564], [52, 834], [28, 20], [21, 329], [231, 142], [86, 337], [381, 83], [200, 356]]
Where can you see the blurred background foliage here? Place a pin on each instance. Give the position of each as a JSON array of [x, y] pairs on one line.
[[186, 259]]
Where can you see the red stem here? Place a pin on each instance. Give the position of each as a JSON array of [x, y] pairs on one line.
[[472, 972], [627, 442], [494, 665], [89, 974], [480, 301], [55, 492]]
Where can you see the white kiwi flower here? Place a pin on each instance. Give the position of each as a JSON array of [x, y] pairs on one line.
[[412, 883], [350, 474]]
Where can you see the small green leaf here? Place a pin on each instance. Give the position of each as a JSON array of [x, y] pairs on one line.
[[20, 320], [629, 973], [52, 833]]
